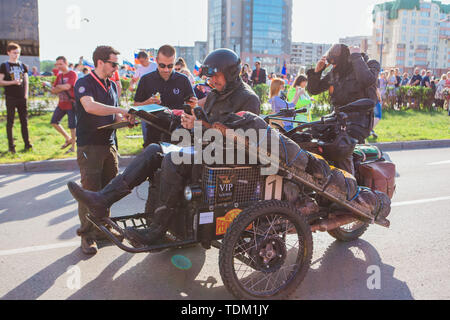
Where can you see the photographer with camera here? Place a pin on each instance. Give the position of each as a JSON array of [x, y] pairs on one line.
[[353, 77]]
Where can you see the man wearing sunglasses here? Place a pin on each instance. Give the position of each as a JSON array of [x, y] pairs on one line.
[[174, 89], [97, 105]]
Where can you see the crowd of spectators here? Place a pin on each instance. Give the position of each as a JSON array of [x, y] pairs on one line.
[[390, 81]]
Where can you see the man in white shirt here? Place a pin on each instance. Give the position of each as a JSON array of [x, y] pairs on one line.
[[146, 66]]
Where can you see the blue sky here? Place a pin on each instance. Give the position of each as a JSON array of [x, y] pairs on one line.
[[132, 24]]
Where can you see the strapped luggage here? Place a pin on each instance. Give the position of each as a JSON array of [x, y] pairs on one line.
[[379, 176]]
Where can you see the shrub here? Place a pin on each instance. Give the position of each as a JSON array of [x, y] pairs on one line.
[[262, 90], [411, 97]]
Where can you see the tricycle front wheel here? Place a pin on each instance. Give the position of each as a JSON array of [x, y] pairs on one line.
[[266, 252]]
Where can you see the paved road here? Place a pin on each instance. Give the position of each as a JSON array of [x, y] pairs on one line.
[[39, 249]]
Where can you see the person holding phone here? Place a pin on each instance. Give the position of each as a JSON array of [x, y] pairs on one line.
[[14, 77], [164, 87]]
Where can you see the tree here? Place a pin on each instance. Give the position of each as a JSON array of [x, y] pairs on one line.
[[47, 65]]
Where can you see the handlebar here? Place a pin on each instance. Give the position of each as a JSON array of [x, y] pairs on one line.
[[288, 113], [331, 120]]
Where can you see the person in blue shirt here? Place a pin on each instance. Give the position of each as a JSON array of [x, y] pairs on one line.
[[279, 103]]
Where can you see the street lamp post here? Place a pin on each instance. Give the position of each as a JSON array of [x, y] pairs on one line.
[[382, 42]]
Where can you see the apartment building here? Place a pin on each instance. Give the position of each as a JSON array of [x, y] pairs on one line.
[[412, 33], [364, 42], [305, 55]]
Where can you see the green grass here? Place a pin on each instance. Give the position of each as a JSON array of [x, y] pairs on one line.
[[47, 141], [396, 126], [411, 125]]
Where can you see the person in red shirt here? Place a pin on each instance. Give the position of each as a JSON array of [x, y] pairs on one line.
[[63, 87]]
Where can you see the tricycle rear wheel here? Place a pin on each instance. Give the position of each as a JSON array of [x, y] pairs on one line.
[[350, 232], [266, 252]]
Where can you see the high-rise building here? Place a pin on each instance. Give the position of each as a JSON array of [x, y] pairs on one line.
[[193, 54], [412, 33], [190, 54], [305, 55], [19, 22], [258, 30]]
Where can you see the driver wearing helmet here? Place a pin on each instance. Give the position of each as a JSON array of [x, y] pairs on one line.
[[231, 95]]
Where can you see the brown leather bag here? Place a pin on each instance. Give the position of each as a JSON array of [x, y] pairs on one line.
[[379, 176]]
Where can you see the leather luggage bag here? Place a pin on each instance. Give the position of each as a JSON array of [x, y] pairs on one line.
[[379, 176]]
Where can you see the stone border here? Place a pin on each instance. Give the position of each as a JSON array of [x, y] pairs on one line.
[[50, 166], [71, 164], [413, 145]]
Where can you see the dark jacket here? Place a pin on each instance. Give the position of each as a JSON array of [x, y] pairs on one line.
[[262, 77], [359, 82], [237, 97]]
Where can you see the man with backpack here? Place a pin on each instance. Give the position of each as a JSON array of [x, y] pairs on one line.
[[14, 77], [63, 87]]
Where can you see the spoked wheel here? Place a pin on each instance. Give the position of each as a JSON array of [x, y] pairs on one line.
[[266, 252], [349, 232]]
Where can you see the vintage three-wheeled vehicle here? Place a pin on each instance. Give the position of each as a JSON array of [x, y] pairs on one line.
[[263, 225]]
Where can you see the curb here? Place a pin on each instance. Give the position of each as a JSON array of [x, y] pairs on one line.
[[50, 166], [412, 145], [71, 164]]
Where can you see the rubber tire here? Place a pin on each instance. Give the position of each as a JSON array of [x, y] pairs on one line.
[[233, 234], [343, 236]]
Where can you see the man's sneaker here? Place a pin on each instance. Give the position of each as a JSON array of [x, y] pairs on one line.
[[88, 246], [28, 148], [12, 150]]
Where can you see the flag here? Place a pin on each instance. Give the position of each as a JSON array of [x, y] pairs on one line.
[[136, 61], [284, 71], [128, 63], [197, 67], [88, 64]]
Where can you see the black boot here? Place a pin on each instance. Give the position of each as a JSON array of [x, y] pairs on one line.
[[99, 203], [156, 231]]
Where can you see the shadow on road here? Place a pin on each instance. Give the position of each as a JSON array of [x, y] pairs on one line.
[[5, 180], [33, 202], [343, 273], [34, 287], [155, 278]]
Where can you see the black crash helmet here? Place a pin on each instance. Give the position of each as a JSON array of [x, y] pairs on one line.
[[338, 54], [222, 60]]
